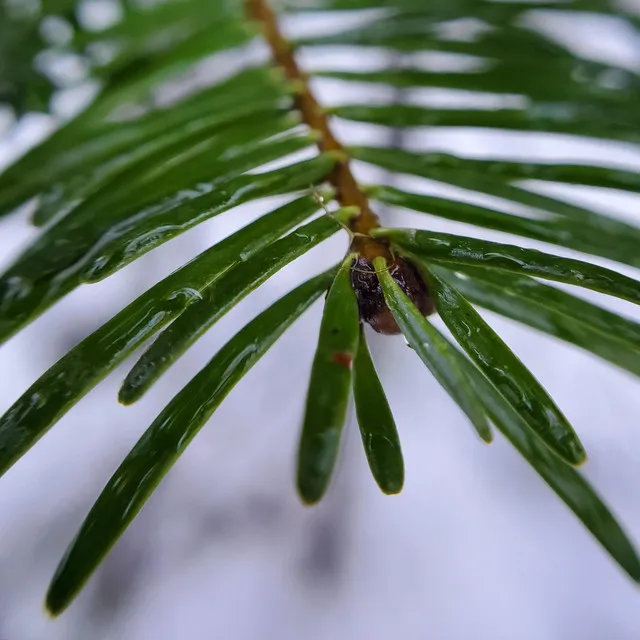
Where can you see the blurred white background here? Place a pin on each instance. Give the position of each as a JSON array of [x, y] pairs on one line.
[[475, 547]]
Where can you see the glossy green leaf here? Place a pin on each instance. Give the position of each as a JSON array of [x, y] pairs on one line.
[[216, 299], [64, 384], [551, 311], [552, 220], [144, 56], [434, 350], [465, 173], [571, 118], [450, 249], [538, 78], [413, 26], [142, 22], [329, 388], [84, 151], [591, 175], [151, 171], [195, 165], [156, 44], [169, 435], [578, 119], [567, 483], [445, 8], [507, 373], [189, 203], [42, 276], [565, 232], [377, 426]]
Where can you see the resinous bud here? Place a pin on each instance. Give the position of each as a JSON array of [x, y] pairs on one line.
[[371, 303]]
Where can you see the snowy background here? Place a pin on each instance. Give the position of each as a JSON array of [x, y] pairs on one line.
[[475, 547]]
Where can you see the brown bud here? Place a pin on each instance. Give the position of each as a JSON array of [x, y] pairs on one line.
[[371, 302]]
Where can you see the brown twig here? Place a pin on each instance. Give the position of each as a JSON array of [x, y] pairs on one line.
[[348, 193]]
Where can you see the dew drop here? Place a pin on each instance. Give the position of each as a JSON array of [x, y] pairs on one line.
[[95, 271], [14, 288], [185, 296]]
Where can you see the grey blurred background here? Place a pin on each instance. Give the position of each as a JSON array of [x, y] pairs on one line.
[[475, 547]]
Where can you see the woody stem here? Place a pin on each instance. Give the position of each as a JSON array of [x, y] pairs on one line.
[[348, 192]]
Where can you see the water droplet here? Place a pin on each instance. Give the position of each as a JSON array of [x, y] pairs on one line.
[[95, 270], [13, 289], [613, 79], [37, 400], [185, 296], [434, 242]]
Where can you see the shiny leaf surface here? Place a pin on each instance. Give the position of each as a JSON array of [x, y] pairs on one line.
[[41, 276], [507, 75], [577, 119], [567, 483], [436, 165], [329, 389], [618, 240], [88, 153], [55, 392], [216, 299], [377, 426], [411, 25], [450, 249], [434, 350], [507, 373], [606, 334], [573, 234], [142, 176], [168, 436]]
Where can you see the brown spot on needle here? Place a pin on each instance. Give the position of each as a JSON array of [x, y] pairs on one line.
[[342, 358]]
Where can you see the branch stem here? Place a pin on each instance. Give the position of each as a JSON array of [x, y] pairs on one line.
[[348, 192]]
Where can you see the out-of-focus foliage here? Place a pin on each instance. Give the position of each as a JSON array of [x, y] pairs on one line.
[[27, 33]]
